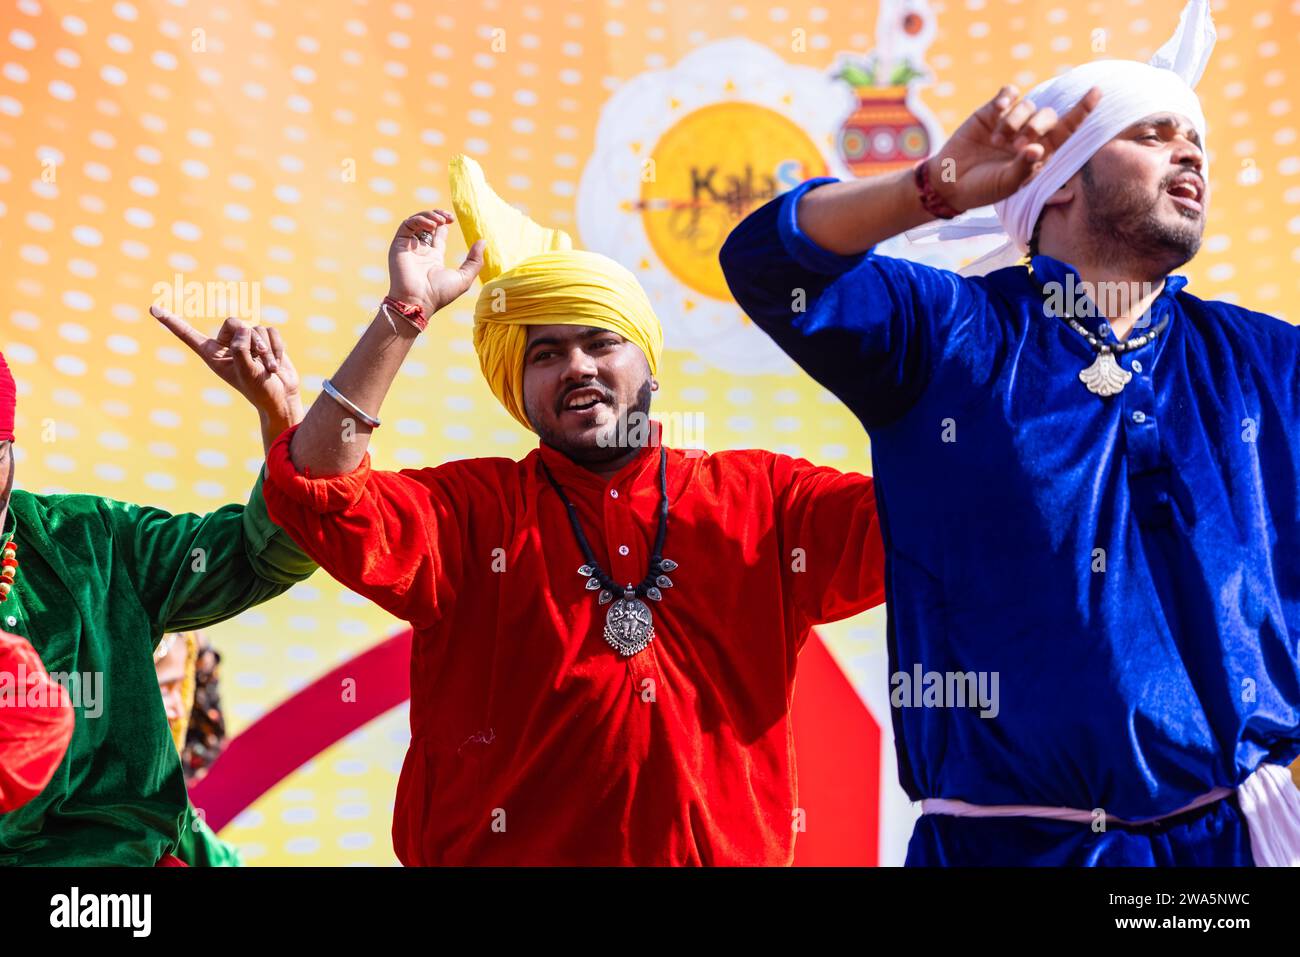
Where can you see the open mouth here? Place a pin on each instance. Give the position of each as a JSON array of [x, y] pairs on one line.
[[583, 400], [1187, 192]]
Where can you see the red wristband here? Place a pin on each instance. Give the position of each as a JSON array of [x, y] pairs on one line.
[[412, 312], [934, 203]]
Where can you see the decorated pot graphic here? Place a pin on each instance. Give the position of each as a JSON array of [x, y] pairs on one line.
[[882, 134]]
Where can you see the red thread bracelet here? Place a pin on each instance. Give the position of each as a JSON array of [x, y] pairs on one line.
[[934, 204], [412, 312]]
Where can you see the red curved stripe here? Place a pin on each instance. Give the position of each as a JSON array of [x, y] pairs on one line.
[[303, 726]]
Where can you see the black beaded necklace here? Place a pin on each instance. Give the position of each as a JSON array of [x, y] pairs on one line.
[[1105, 377], [629, 626]]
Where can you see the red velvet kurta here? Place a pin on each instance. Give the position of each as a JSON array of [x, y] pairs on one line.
[[533, 741], [36, 722]]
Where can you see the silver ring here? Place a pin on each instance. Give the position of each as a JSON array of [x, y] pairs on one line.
[[425, 237]]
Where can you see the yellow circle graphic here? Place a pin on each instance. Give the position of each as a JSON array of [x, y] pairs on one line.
[[712, 168]]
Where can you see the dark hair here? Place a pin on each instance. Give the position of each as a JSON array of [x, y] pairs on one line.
[[1033, 240], [206, 735]]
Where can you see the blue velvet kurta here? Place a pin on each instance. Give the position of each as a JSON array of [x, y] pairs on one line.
[[1003, 483]]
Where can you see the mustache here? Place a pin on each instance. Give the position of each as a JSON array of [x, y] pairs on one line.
[[607, 394]]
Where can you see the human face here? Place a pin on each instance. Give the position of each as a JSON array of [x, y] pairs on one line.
[[171, 678], [579, 381], [7, 471], [1143, 195]]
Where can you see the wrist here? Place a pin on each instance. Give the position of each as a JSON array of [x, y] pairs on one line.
[[928, 178], [415, 312], [427, 305], [276, 420]]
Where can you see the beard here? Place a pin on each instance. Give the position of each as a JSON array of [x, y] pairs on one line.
[[1124, 223], [8, 453], [604, 446]]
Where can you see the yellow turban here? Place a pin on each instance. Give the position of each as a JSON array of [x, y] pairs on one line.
[[532, 276]]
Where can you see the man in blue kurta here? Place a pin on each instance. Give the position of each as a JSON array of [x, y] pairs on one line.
[[1095, 503]]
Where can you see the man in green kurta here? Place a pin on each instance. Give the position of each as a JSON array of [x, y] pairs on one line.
[[99, 582]]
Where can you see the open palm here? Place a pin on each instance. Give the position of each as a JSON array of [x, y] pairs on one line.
[[1001, 146], [417, 269]]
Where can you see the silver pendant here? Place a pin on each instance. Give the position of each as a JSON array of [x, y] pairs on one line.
[[629, 626], [1105, 377]]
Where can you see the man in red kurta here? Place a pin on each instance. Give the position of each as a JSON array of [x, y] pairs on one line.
[[600, 674]]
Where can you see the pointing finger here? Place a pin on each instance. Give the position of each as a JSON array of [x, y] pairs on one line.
[[180, 328]]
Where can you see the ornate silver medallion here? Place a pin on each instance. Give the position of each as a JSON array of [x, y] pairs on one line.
[[629, 626], [1105, 377]]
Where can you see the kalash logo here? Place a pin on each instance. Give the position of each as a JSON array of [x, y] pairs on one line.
[[707, 172]]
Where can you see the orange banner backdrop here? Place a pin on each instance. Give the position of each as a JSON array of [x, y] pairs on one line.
[[253, 159]]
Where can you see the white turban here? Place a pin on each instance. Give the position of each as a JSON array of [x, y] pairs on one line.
[[1130, 91]]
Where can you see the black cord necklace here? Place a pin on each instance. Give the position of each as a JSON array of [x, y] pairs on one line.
[[629, 626], [1105, 377]]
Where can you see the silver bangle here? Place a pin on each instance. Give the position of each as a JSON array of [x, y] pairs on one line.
[[341, 399]]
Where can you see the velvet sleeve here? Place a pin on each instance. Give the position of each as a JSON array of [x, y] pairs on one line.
[[199, 846], [192, 570], [392, 537], [870, 328], [36, 723], [834, 562]]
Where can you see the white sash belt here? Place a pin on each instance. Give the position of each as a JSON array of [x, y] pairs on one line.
[[1269, 801]]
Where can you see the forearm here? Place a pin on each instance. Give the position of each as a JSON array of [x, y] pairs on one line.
[[274, 555], [332, 440], [274, 424], [850, 217]]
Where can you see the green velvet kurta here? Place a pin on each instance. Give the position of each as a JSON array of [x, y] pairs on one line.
[[199, 846], [99, 583]]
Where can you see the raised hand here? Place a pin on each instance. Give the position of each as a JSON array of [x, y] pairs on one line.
[[417, 272], [1001, 146], [250, 358]]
